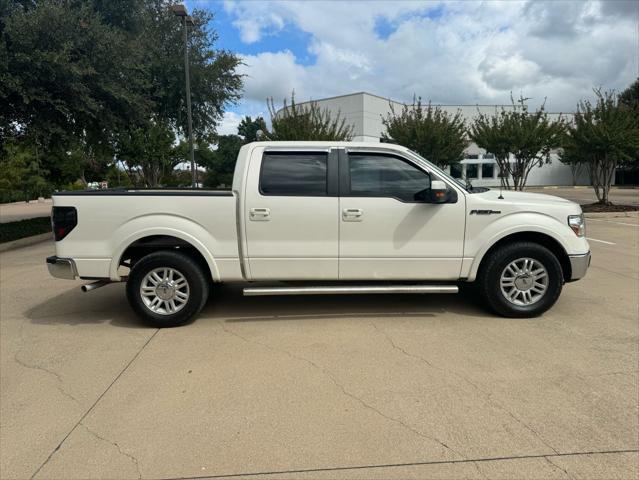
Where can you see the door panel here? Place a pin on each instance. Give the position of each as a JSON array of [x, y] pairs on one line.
[[393, 237], [291, 222]]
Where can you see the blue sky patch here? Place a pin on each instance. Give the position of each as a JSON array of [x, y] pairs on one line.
[[290, 37]]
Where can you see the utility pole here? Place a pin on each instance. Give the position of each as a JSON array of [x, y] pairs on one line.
[[180, 11]]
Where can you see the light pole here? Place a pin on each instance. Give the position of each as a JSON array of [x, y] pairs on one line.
[[180, 11]]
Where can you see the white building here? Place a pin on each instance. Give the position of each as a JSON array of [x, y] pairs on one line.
[[365, 111]]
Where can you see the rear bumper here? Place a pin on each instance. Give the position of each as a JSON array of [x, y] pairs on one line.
[[62, 268], [579, 266]]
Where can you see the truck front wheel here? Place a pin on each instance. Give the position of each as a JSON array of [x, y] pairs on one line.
[[522, 279], [167, 288]]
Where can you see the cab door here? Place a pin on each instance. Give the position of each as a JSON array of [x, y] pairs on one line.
[[291, 215], [385, 233]]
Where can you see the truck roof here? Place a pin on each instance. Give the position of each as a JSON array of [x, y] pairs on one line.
[[327, 144]]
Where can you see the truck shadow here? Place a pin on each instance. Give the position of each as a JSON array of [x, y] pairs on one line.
[[229, 305], [73, 307], [226, 303]]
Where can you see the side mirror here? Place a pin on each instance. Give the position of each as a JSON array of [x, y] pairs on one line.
[[438, 192]]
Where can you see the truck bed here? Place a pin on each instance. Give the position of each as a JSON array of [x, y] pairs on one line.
[[204, 218]]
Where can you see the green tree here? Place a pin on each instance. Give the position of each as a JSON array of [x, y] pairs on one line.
[[21, 174], [220, 163], [306, 122], [214, 80], [249, 128], [75, 75], [430, 131], [604, 135], [148, 153], [66, 74], [630, 96], [528, 136]]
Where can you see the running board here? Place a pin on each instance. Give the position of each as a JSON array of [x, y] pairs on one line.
[[349, 290]]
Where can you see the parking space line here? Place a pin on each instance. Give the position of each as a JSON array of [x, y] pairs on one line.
[[616, 223], [600, 241]]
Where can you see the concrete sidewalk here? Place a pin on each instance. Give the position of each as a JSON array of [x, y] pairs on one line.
[[11, 212], [584, 195]]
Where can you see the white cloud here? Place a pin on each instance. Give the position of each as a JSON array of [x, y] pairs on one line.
[[229, 123], [459, 53]]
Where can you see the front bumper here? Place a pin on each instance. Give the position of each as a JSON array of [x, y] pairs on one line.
[[579, 265], [62, 268]]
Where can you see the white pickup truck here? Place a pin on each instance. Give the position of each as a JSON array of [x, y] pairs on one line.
[[321, 218]]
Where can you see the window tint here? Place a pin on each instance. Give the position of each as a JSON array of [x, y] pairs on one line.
[[487, 170], [299, 174], [385, 176]]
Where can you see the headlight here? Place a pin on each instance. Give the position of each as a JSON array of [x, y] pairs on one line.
[[578, 224]]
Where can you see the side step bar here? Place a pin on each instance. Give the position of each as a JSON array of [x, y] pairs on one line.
[[348, 290]]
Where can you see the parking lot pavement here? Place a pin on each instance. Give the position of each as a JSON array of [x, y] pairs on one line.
[[322, 387], [11, 212], [584, 195]]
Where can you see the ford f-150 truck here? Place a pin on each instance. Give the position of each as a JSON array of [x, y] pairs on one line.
[[321, 218]]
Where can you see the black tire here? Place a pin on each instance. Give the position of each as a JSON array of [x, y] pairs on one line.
[[488, 280], [198, 287]]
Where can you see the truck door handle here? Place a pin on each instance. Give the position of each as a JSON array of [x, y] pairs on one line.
[[259, 214], [352, 214]]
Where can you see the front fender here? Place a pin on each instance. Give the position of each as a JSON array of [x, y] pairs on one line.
[[145, 226], [479, 243]]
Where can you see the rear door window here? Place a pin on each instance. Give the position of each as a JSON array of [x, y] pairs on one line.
[[302, 174]]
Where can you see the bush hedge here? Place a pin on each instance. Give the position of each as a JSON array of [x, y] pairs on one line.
[[24, 228]]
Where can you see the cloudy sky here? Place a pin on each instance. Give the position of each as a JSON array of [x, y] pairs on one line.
[[467, 52]]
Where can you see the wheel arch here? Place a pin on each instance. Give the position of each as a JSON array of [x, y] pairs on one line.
[[540, 238], [153, 240]]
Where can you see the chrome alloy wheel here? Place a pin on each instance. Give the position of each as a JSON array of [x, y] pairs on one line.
[[164, 291], [524, 281]]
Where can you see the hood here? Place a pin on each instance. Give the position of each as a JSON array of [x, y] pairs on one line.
[[523, 198]]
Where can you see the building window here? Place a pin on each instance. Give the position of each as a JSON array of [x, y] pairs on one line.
[[489, 156], [471, 170], [456, 170], [488, 170], [294, 174], [472, 156]]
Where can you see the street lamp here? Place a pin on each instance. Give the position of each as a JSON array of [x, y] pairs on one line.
[[180, 11]]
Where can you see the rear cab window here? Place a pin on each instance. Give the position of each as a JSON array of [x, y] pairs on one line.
[[303, 174]]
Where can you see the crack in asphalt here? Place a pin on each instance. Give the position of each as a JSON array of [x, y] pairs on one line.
[[487, 395], [79, 422], [340, 386], [50, 372], [115, 444], [558, 467], [406, 464], [35, 366]]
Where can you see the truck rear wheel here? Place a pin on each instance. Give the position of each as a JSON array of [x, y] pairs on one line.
[[522, 279], [167, 288]]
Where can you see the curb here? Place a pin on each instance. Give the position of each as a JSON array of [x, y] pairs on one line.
[[25, 242], [634, 214]]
